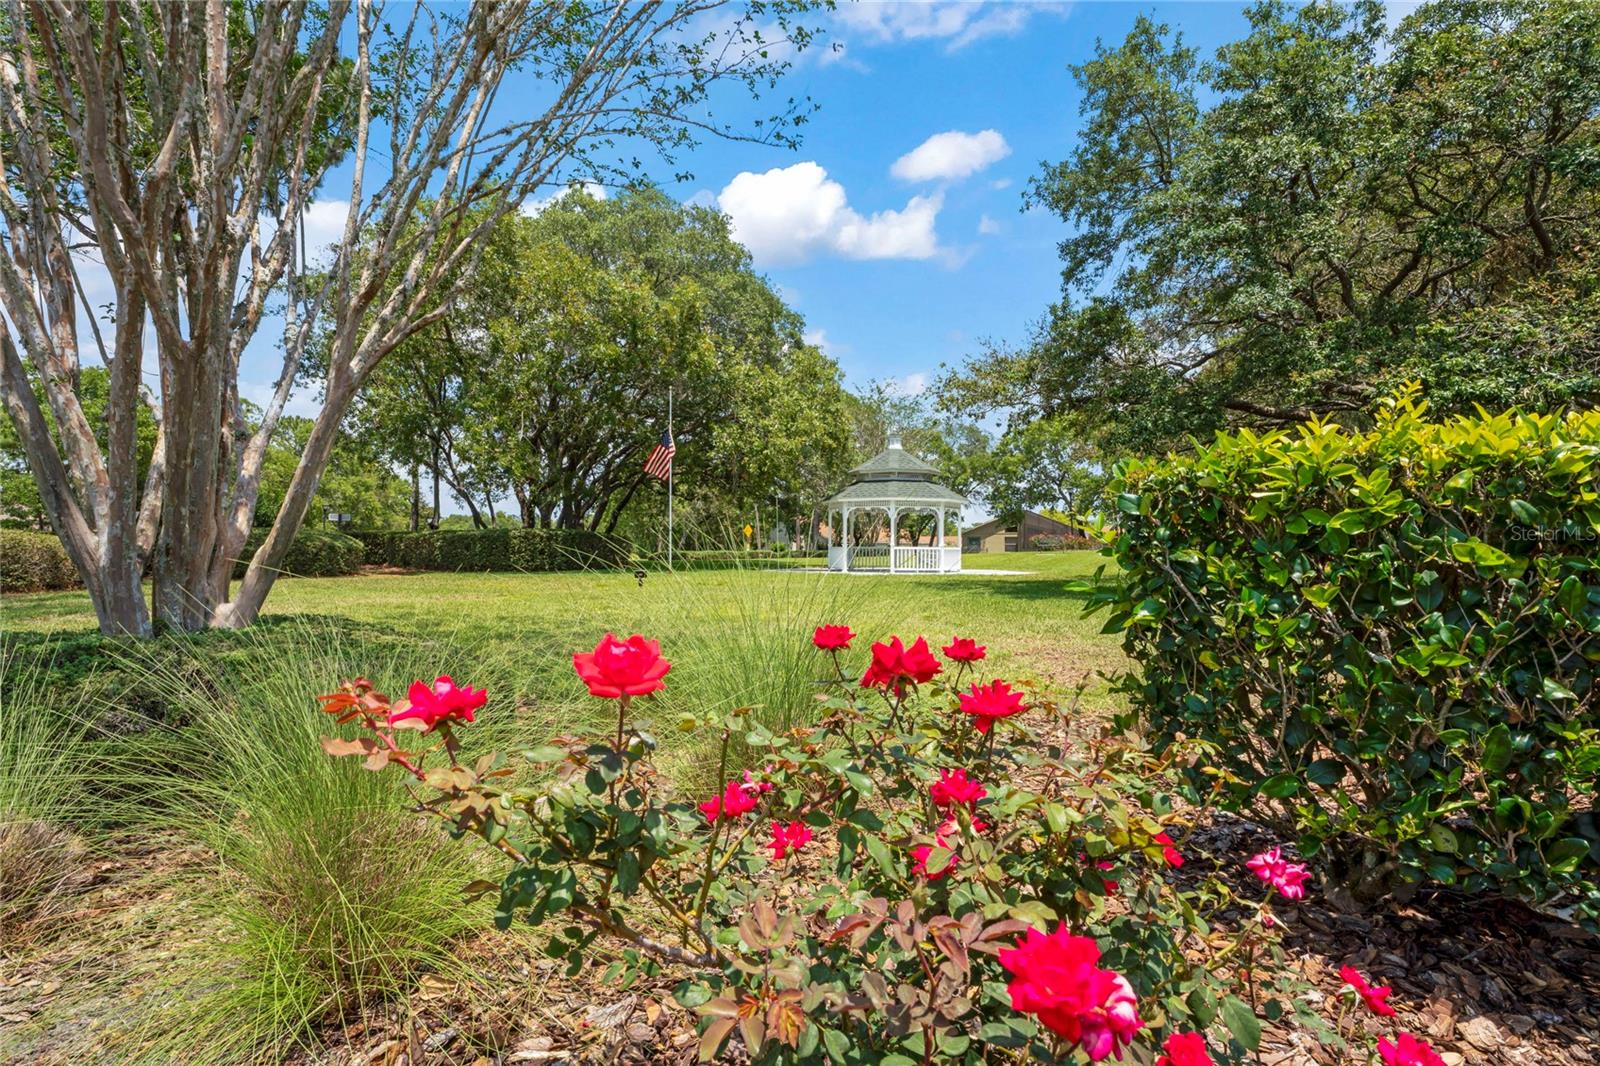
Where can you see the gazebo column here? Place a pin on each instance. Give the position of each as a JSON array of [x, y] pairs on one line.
[[939, 542], [894, 514], [844, 539]]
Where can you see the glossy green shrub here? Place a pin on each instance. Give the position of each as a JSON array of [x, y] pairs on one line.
[[495, 549], [314, 553], [32, 562], [1392, 637]]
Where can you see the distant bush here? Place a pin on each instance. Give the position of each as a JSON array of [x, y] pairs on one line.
[[1392, 639], [1062, 542], [495, 549], [314, 553], [723, 559], [33, 562]]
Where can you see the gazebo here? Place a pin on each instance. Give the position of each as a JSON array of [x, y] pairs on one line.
[[896, 483]]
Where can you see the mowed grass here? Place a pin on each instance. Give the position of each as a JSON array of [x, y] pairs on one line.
[[315, 897], [1030, 622]]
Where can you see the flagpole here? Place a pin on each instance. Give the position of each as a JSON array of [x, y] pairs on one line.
[[672, 461]]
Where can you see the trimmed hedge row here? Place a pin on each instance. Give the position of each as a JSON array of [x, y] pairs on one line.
[[314, 553], [34, 562], [1389, 642], [495, 549]]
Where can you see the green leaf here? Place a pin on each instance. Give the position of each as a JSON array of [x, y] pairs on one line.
[[881, 855], [1325, 772], [1573, 597], [1497, 749], [1481, 555], [1555, 691], [1566, 854], [1242, 1022], [1280, 786]]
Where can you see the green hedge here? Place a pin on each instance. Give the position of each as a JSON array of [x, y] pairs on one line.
[[1390, 642], [495, 549], [33, 562], [314, 553]]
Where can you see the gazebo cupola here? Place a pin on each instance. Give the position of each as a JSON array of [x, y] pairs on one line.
[[901, 488]]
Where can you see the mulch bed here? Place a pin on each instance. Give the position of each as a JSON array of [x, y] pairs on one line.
[[1482, 980]]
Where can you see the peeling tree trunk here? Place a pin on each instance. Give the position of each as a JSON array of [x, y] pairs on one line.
[[165, 134]]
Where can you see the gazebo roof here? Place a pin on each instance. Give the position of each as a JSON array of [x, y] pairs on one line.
[[875, 493], [894, 460], [895, 476]]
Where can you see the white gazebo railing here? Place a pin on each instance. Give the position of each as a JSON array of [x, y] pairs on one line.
[[867, 557], [918, 560], [899, 560]]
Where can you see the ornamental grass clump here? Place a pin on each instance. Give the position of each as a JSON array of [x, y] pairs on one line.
[[44, 858], [897, 881]]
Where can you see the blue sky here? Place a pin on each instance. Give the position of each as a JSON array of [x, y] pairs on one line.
[[932, 118], [897, 227]]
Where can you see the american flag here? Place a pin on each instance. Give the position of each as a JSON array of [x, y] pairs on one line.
[[659, 465]]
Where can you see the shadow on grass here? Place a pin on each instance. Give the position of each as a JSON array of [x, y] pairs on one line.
[[1033, 589]]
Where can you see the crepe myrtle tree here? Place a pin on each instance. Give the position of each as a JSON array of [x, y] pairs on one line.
[[179, 146]]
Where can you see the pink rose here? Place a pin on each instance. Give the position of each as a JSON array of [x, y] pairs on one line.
[[1289, 878]]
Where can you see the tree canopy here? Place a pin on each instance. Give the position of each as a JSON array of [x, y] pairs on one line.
[[1320, 211], [547, 378]]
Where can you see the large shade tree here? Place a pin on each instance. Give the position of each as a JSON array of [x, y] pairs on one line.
[[181, 145], [549, 374], [1328, 206]]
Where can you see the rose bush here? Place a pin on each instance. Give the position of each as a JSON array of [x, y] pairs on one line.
[[917, 877]]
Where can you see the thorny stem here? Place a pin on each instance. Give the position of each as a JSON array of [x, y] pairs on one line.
[[716, 831]]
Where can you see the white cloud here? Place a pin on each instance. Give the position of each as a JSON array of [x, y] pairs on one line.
[[957, 23], [988, 226], [322, 224], [909, 385], [837, 53], [790, 214], [535, 204], [1000, 183], [818, 338], [950, 155]]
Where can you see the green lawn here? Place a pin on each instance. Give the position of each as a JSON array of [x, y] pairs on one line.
[[243, 850], [1030, 622]]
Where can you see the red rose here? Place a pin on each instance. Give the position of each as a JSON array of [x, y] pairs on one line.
[[893, 665], [1376, 998], [987, 703], [954, 786], [617, 668], [1173, 856], [787, 838], [735, 800], [430, 706], [1408, 1051], [964, 650], [1056, 978], [1185, 1049], [833, 638]]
